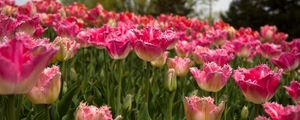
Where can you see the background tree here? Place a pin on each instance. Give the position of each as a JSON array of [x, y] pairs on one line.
[[149, 7], [285, 14]]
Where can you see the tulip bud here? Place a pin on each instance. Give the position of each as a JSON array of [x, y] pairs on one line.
[[161, 61], [171, 82], [47, 89], [245, 113], [128, 102]]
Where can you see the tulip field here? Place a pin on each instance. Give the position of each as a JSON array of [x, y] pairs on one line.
[[69, 62]]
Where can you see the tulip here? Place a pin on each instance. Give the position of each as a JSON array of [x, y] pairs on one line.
[[67, 48], [202, 108], [245, 113], [68, 27], [161, 61], [269, 50], [21, 61], [294, 91], [118, 49], [258, 84], [85, 112], [8, 26], [47, 89], [181, 65], [30, 25], [184, 48], [267, 32], [152, 43], [278, 112], [171, 81], [219, 56], [287, 60], [261, 118], [213, 77]]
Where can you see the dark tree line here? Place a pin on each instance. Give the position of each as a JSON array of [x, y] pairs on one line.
[[285, 14]]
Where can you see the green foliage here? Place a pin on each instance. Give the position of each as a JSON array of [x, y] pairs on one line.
[[284, 14]]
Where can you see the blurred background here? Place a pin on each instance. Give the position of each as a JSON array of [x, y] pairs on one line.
[[285, 14]]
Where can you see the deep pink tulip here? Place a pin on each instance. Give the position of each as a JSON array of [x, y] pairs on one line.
[[8, 26], [287, 60], [184, 48], [269, 50], [94, 36], [118, 49], [212, 77], [294, 91], [30, 25], [152, 43], [47, 88], [205, 55], [21, 61], [67, 48], [85, 112], [181, 65], [278, 112], [258, 84], [68, 27], [197, 108]]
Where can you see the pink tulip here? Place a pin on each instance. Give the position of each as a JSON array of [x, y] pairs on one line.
[[181, 65], [152, 43], [213, 77], [267, 32], [85, 112], [287, 60], [67, 48], [261, 118], [218, 37], [21, 61], [278, 112], [68, 27], [202, 108], [184, 48], [94, 36], [8, 26], [294, 91], [161, 61], [269, 50], [118, 49], [258, 84], [219, 56], [30, 25], [47, 89]]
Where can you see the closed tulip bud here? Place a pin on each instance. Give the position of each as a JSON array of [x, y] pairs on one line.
[[161, 61], [294, 91], [128, 102], [171, 81], [245, 113], [47, 89]]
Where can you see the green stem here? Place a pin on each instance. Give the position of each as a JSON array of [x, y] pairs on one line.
[[170, 106], [11, 108], [119, 92]]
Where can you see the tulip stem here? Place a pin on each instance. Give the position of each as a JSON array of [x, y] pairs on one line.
[[170, 106], [11, 108]]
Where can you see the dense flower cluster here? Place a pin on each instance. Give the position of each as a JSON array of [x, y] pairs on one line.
[[176, 40]]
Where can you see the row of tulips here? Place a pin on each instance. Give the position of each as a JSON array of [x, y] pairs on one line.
[[63, 58]]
